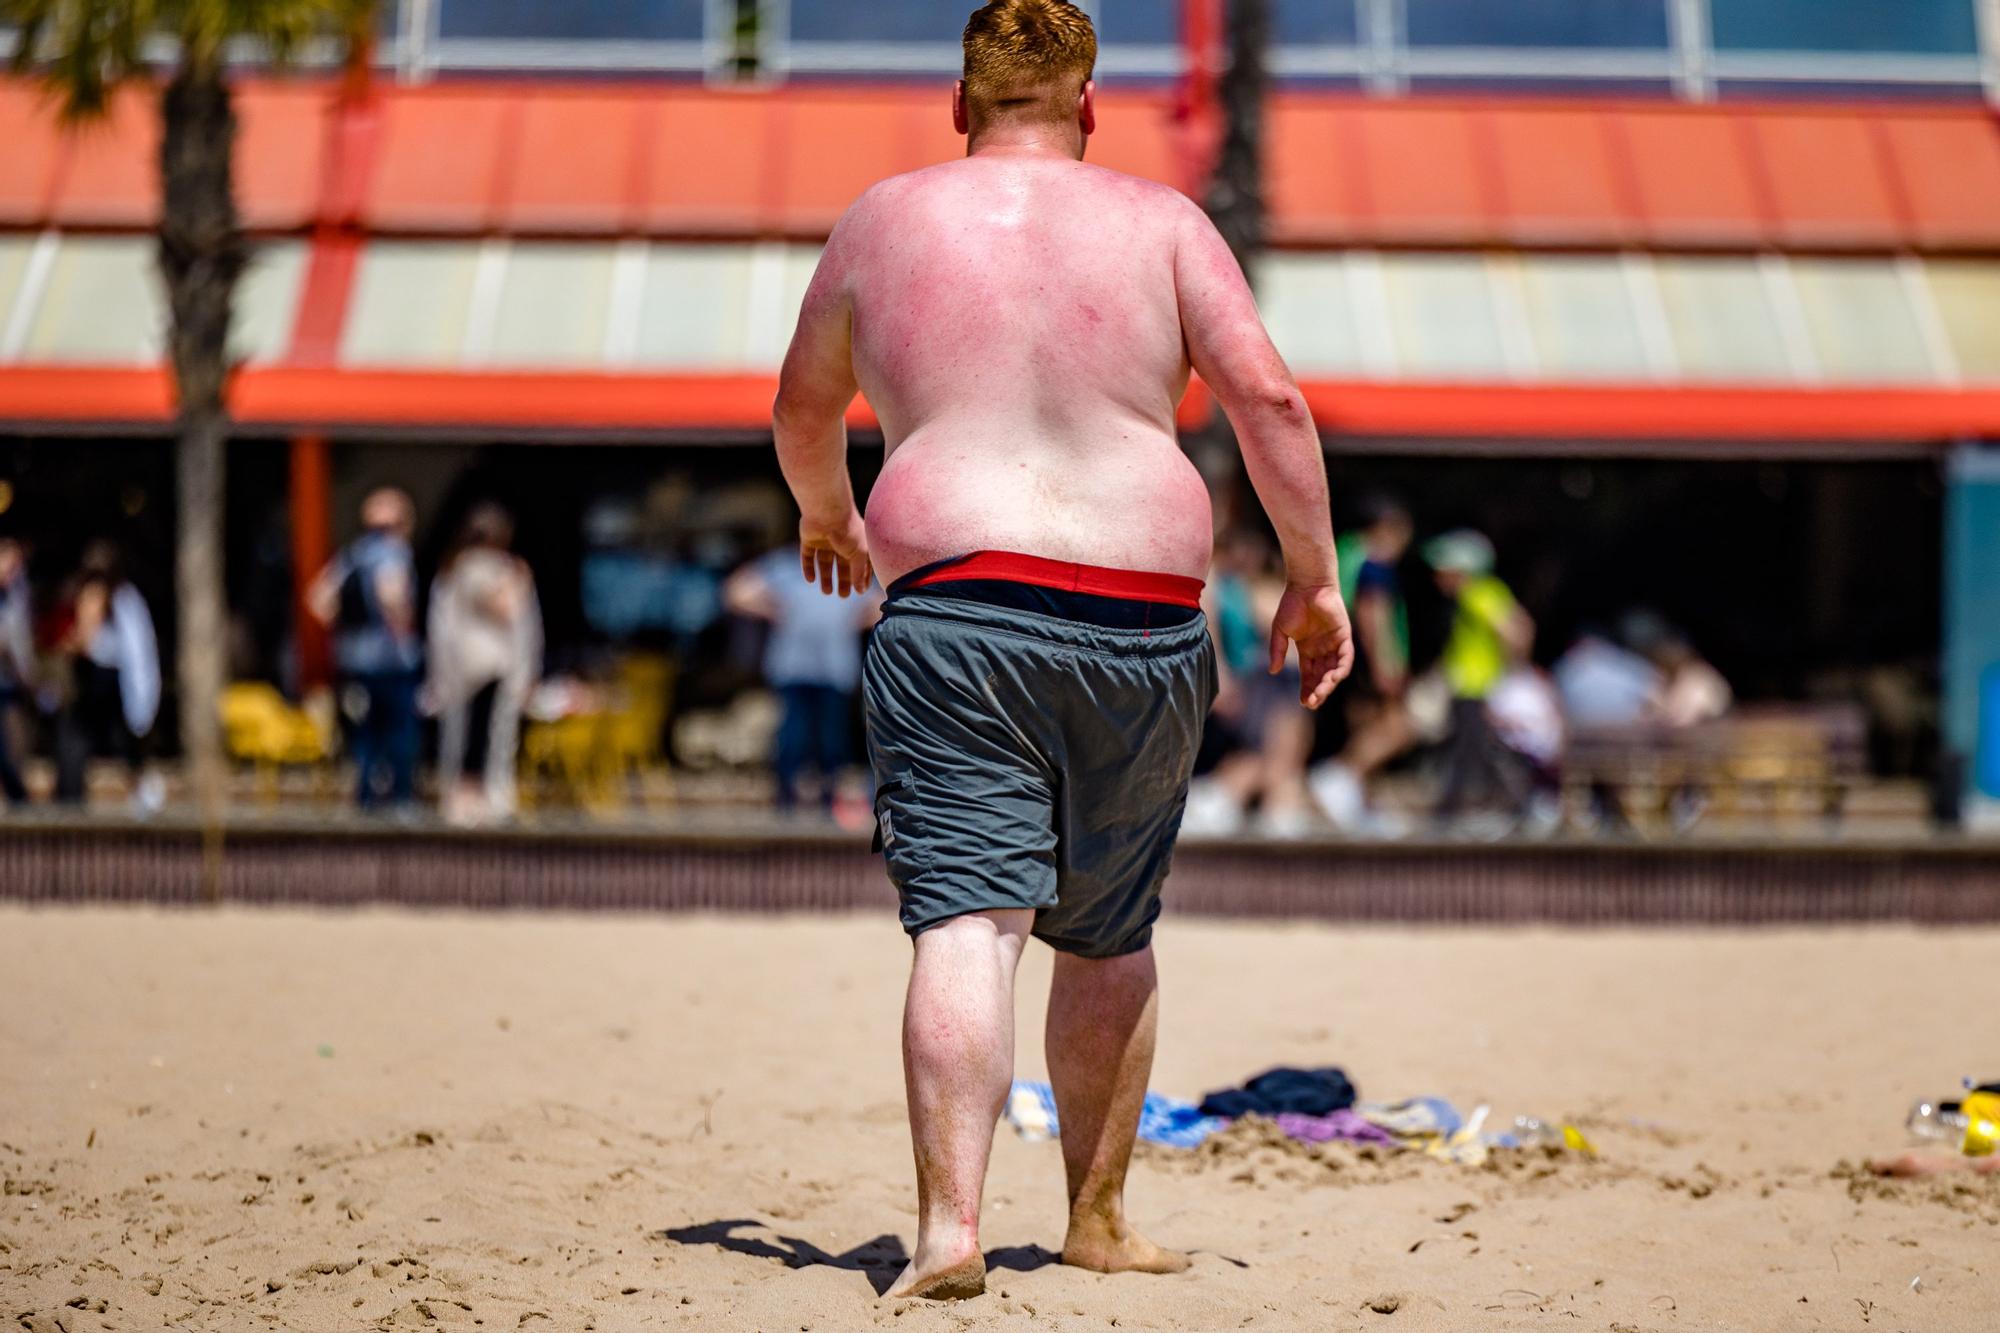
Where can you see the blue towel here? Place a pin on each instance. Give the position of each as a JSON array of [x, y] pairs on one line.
[[1168, 1121]]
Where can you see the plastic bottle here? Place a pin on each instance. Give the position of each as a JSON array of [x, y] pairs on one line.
[[1940, 1122]]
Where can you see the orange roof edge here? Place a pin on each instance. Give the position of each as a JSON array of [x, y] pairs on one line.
[[336, 399], [688, 160]]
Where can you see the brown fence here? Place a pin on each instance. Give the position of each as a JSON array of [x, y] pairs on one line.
[[777, 870]]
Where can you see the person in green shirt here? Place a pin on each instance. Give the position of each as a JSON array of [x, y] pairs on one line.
[[1378, 720], [1490, 634]]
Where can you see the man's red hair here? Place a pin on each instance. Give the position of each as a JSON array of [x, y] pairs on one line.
[[1027, 57]]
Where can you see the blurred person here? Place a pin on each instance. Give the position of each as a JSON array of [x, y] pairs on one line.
[[1378, 714], [1023, 326], [1603, 683], [368, 596], [485, 655], [18, 674], [1526, 713], [1490, 634], [1692, 691], [1272, 736], [106, 638], [812, 658]]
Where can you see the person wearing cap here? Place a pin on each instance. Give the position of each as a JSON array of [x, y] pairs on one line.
[[1490, 634]]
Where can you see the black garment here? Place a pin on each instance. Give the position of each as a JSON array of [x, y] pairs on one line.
[[1298, 1091], [93, 723], [1089, 608], [479, 727], [11, 785], [1477, 767]]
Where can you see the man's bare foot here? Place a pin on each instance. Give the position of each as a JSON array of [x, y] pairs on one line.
[[1106, 1248], [956, 1282]]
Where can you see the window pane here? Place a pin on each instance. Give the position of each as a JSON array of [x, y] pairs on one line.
[[13, 263], [1545, 23], [1860, 319], [1306, 307], [696, 311], [1967, 295], [1314, 23], [1580, 309], [410, 303], [1441, 309], [267, 302], [103, 303], [1722, 319], [1936, 26], [1136, 22], [554, 305], [877, 21], [637, 19]]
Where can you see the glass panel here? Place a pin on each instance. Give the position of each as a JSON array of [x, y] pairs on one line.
[[13, 263], [1967, 295], [103, 303], [1314, 23], [696, 311], [800, 263], [635, 19], [1580, 309], [1441, 309], [554, 305], [1138, 22], [1936, 26], [1544, 23], [267, 302], [878, 21], [1722, 319], [1860, 319], [411, 300], [1307, 309]]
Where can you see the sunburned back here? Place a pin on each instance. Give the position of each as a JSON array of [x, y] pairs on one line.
[[1016, 329]]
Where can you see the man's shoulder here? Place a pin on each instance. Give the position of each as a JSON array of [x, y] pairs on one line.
[[944, 182]]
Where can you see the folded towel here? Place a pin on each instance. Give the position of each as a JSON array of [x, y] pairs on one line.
[[1168, 1121]]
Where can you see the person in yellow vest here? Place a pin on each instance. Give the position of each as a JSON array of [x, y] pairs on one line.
[[1490, 635]]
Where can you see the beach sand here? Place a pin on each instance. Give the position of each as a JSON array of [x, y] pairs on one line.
[[255, 1120]]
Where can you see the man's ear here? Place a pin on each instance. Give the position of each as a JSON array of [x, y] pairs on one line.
[[959, 120], [1086, 107]]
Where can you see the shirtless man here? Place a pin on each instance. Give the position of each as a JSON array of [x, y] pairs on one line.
[[1023, 326]]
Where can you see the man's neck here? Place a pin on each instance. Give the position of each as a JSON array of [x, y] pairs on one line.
[[1056, 142]]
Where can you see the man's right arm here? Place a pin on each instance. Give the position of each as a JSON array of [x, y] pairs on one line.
[[1231, 351], [808, 424]]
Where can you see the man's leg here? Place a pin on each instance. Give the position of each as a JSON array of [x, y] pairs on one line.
[[1103, 1014], [958, 1062]]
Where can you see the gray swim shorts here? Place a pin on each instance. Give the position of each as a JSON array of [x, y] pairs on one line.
[[1030, 760]]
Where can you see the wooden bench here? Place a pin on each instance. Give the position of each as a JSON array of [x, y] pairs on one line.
[[1779, 760]]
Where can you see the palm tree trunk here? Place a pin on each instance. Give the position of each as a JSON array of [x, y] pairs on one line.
[[201, 256], [1235, 203]]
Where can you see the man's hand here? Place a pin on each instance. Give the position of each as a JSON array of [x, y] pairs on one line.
[[835, 555], [1316, 620]]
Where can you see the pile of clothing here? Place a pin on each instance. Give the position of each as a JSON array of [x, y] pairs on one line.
[[1309, 1105]]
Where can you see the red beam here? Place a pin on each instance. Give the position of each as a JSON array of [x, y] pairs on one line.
[[322, 399]]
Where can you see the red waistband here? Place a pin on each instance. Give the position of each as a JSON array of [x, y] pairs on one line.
[[1131, 584]]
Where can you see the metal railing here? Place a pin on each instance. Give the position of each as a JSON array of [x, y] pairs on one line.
[[417, 45]]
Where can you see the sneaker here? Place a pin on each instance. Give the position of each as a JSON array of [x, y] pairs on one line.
[[1211, 811], [1337, 792], [1284, 825]]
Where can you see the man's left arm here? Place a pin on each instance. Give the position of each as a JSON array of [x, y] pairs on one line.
[[808, 422]]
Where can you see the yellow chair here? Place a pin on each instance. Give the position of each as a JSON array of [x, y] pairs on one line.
[[259, 727], [634, 731]]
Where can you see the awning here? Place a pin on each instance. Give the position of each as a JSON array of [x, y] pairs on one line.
[[671, 160]]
